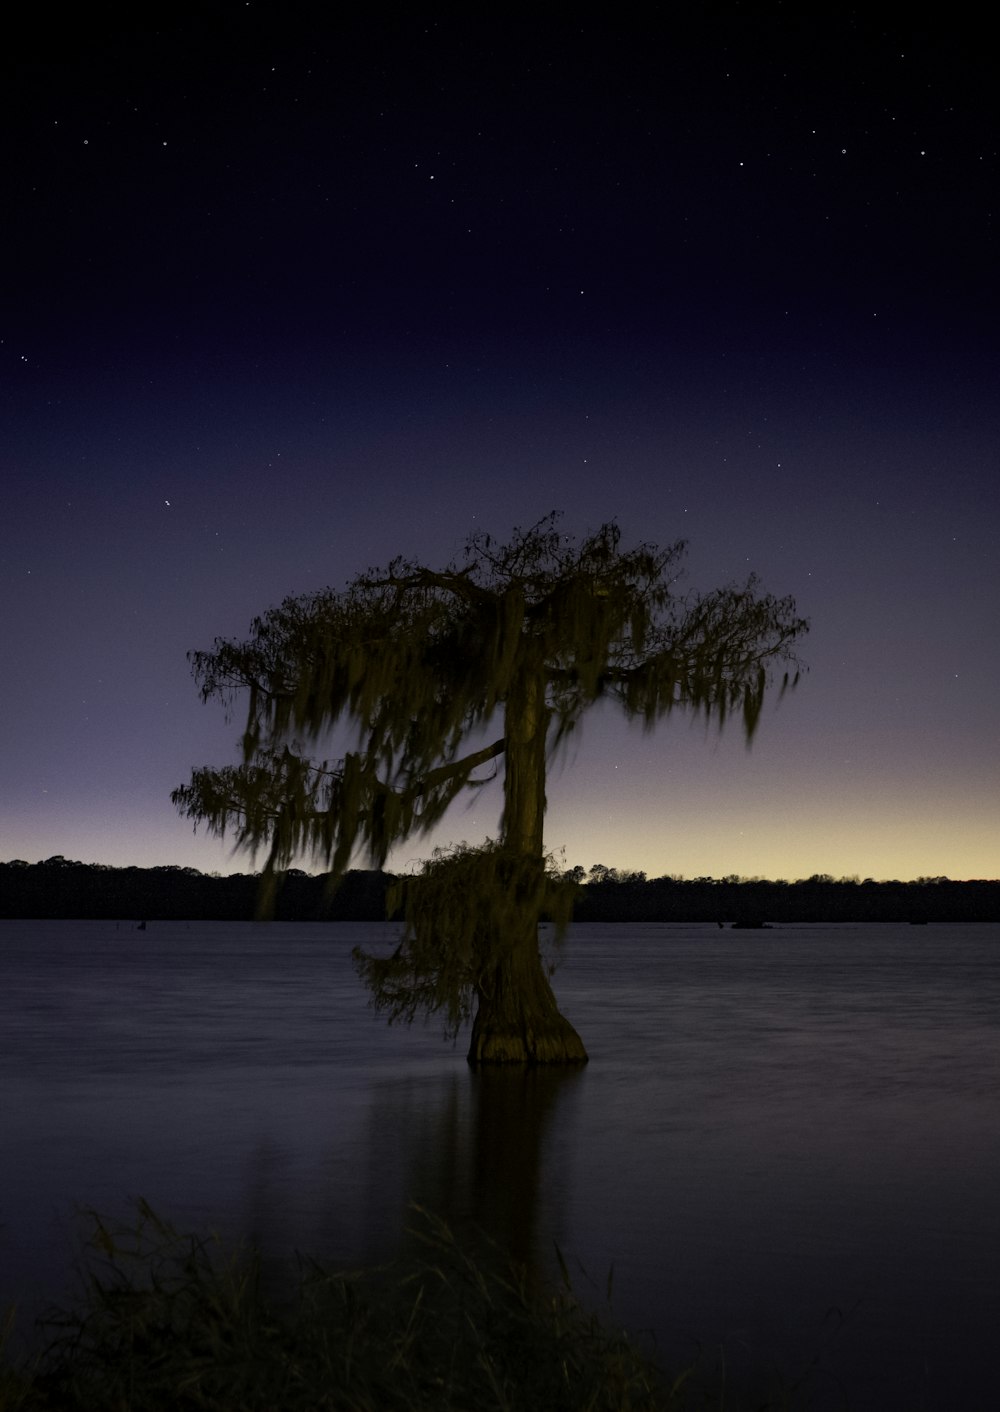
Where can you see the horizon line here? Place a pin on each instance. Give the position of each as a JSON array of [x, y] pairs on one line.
[[618, 874]]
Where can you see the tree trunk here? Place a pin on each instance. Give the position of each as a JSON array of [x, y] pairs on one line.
[[518, 1020]]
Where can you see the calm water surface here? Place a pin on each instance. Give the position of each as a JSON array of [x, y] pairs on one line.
[[787, 1142]]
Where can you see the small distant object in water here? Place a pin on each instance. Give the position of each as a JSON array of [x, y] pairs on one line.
[[752, 923], [141, 927]]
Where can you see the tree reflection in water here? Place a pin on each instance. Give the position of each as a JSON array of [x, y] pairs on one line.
[[489, 1150]]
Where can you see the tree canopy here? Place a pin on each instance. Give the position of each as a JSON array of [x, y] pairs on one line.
[[419, 663]]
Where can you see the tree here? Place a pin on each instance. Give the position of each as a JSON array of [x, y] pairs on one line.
[[417, 662]]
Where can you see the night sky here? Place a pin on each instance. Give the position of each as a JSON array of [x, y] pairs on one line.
[[284, 297]]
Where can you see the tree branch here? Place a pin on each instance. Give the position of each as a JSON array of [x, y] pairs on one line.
[[468, 762], [455, 581]]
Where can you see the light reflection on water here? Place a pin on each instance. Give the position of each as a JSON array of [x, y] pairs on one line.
[[771, 1124]]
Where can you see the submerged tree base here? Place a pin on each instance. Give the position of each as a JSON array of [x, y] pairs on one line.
[[548, 1040], [518, 1020]]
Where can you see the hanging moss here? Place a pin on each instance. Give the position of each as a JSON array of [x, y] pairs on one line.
[[413, 661], [463, 913]]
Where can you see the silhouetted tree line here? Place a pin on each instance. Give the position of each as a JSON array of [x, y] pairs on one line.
[[609, 895], [59, 887]]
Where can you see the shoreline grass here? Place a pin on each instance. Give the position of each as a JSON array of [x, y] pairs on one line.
[[174, 1321]]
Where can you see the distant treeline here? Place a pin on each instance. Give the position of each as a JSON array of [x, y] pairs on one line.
[[61, 888], [611, 896]]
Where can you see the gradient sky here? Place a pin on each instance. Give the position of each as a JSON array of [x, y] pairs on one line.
[[286, 297]]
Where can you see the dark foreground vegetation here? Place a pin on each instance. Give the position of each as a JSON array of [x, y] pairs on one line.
[[62, 888], [172, 1321]]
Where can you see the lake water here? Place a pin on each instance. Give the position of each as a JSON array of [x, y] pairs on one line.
[[773, 1126]]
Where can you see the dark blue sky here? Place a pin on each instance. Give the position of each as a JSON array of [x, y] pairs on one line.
[[285, 297]]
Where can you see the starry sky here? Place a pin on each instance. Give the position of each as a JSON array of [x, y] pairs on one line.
[[286, 296]]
